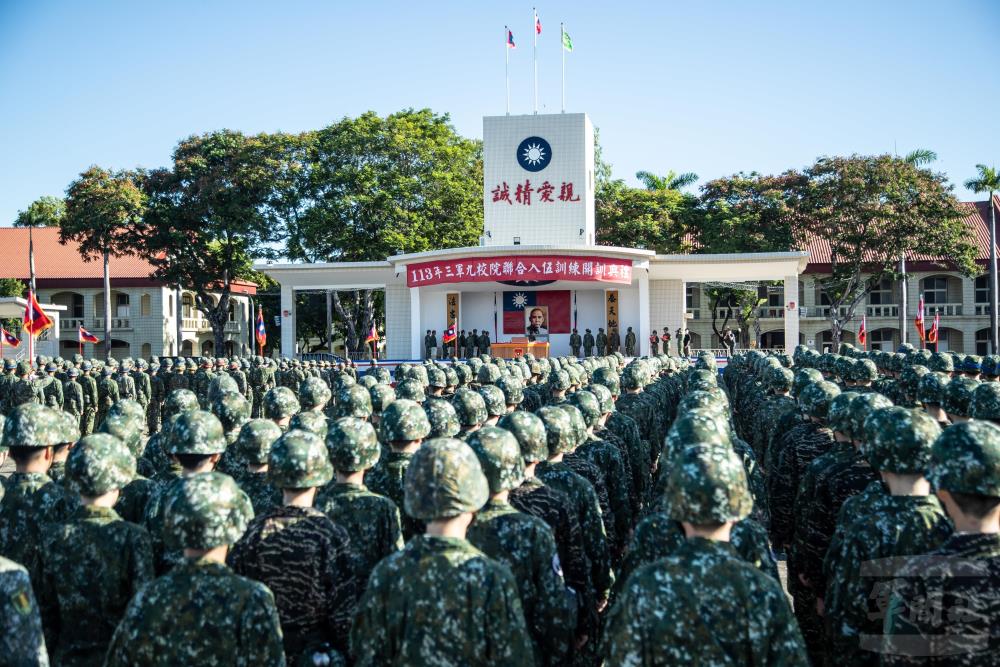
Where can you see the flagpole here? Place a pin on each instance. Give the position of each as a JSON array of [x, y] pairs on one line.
[[506, 63], [31, 292], [562, 48], [534, 53]]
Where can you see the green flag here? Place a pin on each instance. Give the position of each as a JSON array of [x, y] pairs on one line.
[[567, 42]]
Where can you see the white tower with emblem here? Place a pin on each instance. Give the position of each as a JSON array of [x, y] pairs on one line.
[[538, 180]]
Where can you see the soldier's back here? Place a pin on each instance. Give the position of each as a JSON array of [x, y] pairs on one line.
[[386, 479], [21, 638], [30, 501], [371, 520]]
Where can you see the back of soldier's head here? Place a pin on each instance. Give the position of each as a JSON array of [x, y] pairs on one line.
[[444, 479]]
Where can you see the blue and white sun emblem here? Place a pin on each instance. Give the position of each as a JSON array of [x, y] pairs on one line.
[[534, 154], [520, 300]]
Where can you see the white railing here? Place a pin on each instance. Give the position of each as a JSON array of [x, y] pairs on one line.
[[882, 310], [982, 309], [946, 309], [117, 324]]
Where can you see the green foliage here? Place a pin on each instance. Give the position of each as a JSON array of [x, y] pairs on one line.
[[636, 217], [43, 212], [747, 213], [672, 181], [102, 209], [987, 181], [11, 287]]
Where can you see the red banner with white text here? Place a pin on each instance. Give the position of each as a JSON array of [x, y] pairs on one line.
[[520, 267]]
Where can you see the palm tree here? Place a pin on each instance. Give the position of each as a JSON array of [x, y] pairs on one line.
[[989, 181], [672, 181]]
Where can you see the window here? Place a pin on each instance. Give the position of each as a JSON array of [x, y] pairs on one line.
[[983, 289], [690, 297], [824, 298], [187, 306], [147, 350], [170, 304], [232, 311], [121, 305], [77, 307], [881, 294], [935, 290], [145, 305], [982, 340], [881, 339]]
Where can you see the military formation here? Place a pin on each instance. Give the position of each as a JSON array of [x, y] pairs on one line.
[[610, 510]]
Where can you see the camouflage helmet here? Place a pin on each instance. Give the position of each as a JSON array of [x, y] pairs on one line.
[[313, 393], [815, 398], [838, 415], [126, 429], [221, 383], [419, 373], [958, 395], [205, 511], [32, 425], [941, 362], [23, 368], [450, 377], [578, 426], [779, 380], [499, 456], [985, 403], [529, 431], [470, 407], [444, 479], [864, 370], [966, 459], [696, 427], [436, 378], [512, 388], [706, 362], [559, 433], [99, 463], [367, 381], [280, 402], [354, 401], [972, 364], [128, 408], [713, 398], [635, 376], [255, 440], [411, 389], [232, 409], [909, 378], [381, 395], [861, 407], [352, 445], [702, 379], [990, 366], [707, 485], [803, 378], [299, 460], [902, 441], [311, 421], [179, 400], [604, 397], [559, 380], [493, 397], [588, 405], [607, 378], [403, 421], [442, 416], [70, 428], [930, 390], [196, 432]]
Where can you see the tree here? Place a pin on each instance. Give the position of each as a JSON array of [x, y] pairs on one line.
[[43, 212], [872, 210], [672, 181], [102, 209], [211, 213], [636, 217], [989, 181], [11, 287]]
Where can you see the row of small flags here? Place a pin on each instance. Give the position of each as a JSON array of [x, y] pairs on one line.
[[35, 322], [567, 43], [918, 322]]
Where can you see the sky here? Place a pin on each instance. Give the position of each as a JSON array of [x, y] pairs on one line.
[[710, 87]]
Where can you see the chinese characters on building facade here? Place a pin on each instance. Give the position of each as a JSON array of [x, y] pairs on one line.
[[526, 267], [525, 193]]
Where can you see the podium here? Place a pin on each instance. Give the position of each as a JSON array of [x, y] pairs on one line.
[[518, 348]]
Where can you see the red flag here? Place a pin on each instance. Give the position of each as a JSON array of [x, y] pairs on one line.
[[261, 332], [918, 322], [862, 332], [538, 24], [9, 338], [557, 304], [372, 335], [510, 40], [450, 334], [932, 335], [86, 336], [35, 319]]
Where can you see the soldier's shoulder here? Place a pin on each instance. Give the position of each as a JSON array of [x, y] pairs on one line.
[[11, 571]]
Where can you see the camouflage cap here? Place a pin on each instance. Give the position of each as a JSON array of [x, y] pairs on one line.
[[32, 425], [99, 463], [179, 400], [196, 432], [838, 415], [707, 485], [352, 445], [70, 428], [444, 479], [310, 420], [280, 402], [442, 416], [299, 460], [232, 409], [529, 431], [814, 399], [966, 459], [381, 395], [930, 390], [470, 407], [205, 511], [985, 403], [128, 408], [559, 433], [411, 389], [354, 401], [578, 426], [958, 395], [902, 440], [861, 407], [588, 405], [499, 456], [403, 421], [255, 440], [604, 397], [493, 397], [313, 393], [512, 388]]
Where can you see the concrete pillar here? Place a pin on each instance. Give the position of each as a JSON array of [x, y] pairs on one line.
[[287, 321], [643, 332], [791, 315], [416, 332]]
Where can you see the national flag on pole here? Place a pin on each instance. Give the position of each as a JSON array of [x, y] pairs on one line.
[[918, 322], [261, 332], [9, 338], [510, 40], [35, 319], [372, 335], [538, 24], [86, 336], [932, 335], [862, 332], [567, 42], [450, 334], [517, 303]]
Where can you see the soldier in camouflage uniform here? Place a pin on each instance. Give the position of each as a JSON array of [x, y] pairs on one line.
[[235, 622], [7, 380], [22, 390], [107, 392], [703, 604], [51, 387], [31, 498], [302, 556], [201, 381], [126, 383], [403, 427], [526, 545], [69, 434], [157, 393], [90, 398], [371, 520], [253, 447], [94, 563], [21, 638], [441, 600], [73, 401], [945, 606], [442, 417]]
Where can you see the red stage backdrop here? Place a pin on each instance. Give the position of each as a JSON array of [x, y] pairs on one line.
[[520, 267]]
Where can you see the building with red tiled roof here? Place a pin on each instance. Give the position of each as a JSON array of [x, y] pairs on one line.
[[148, 316], [962, 302]]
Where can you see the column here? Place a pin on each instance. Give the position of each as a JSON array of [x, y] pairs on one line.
[[416, 335], [287, 321], [642, 332], [791, 316]]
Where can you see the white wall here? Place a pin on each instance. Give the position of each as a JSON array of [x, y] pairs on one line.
[[475, 311]]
